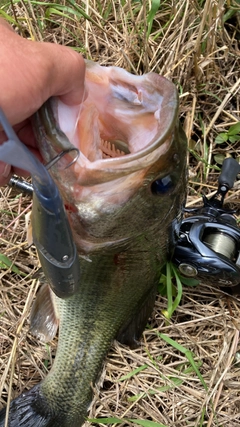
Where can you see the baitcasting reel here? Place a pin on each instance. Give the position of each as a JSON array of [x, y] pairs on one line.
[[208, 246]]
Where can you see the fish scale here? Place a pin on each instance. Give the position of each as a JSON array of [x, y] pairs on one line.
[[89, 323], [125, 214]]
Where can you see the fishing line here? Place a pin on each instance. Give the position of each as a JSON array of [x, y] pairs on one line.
[[222, 244]]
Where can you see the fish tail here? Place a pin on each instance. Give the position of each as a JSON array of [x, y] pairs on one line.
[[30, 409]]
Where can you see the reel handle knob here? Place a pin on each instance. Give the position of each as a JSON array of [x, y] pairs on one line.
[[229, 172]]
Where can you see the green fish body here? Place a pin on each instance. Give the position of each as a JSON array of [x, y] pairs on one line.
[[124, 197]]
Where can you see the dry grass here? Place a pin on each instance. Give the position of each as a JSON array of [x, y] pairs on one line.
[[192, 43]]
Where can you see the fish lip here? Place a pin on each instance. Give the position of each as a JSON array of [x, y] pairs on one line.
[[101, 170], [54, 140], [152, 146], [169, 116]]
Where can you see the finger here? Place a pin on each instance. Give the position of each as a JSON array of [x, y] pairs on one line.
[[66, 77], [4, 23], [32, 72], [25, 133], [5, 173]]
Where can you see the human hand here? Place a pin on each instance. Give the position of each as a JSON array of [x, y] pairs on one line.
[[30, 73]]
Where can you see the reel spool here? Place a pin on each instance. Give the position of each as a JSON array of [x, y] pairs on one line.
[[221, 243]]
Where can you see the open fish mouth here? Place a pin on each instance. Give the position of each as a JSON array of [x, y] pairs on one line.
[[123, 118]]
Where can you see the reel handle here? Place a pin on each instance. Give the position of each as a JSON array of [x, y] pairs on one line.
[[229, 172]]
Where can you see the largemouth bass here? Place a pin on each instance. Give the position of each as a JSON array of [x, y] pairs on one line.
[[124, 197]]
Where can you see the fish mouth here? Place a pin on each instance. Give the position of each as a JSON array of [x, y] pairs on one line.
[[124, 126], [122, 119]]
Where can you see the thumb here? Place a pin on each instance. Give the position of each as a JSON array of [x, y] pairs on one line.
[[67, 74]]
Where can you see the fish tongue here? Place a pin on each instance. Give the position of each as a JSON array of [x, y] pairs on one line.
[[84, 133], [88, 134]]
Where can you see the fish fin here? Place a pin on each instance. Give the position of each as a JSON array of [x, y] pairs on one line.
[[32, 409], [131, 332], [28, 226], [25, 411], [43, 318]]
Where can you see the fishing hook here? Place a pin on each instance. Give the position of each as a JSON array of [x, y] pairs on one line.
[[26, 187], [62, 154], [19, 183]]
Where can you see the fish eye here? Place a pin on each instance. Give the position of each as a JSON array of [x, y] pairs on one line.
[[163, 185]]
